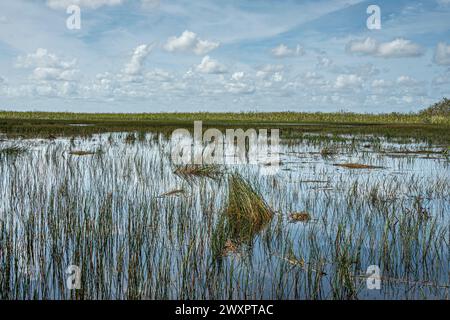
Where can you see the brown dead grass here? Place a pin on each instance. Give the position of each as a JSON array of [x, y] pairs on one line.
[[172, 193], [356, 166], [81, 153], [300, 216]]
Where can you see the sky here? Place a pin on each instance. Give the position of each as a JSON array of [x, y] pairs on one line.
[[247, 55]]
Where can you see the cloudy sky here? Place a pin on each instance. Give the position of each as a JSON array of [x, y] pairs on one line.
[[247, 55]]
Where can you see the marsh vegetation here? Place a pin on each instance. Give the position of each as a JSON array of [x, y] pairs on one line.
[[140, 228]]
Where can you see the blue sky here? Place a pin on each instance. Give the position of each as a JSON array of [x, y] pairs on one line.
[[248, 55]]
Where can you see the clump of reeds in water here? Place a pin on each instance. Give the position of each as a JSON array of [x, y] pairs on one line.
[[11, 151], [246, 206], [194, 170], [245, 215], [130, 138], [329, 152]]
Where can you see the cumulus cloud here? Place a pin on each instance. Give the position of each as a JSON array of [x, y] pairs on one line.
[[190, 42], [42, 58], [407, 81], [48, 66], [381, 83], [159, 75], [348, 81], [324, 62], [239, 88], [397, 48], [269, 70], [367, 46], [282, 51], [90, 4], [442, 54], [50, 74], [237, 76], [209, 65], [135, 65]]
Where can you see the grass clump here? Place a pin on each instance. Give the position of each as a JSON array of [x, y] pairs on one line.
[[329, 152], [245, 215], [247, 211]]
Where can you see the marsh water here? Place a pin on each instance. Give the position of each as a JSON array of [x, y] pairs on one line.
[[135, 229]]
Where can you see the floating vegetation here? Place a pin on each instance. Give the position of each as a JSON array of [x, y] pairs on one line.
[[300, 217], [175, 192], [357, 166], [193, 170], [81, 153]]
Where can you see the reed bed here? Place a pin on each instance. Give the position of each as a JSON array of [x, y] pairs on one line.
[[116, 215]]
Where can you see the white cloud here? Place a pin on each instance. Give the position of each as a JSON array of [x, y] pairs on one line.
[[135, 66], [237, 76], [277, 77], [367, 46], [399, 48], [442, 54], [324, 62], [381, 83], [442, 79], [394, 49], [209, 65], [48, 66], [269, 70], [42, 58], [239, 88], [90, 4], [407, 81], [282, 51], [51, 74], [159, 75], [189, 42], [312, 75], [444, 3], [348, 81]]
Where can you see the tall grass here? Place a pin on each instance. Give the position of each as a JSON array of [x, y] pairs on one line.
[[114, 215]]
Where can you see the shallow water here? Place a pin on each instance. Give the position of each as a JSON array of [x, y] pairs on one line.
[[107, 214]]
